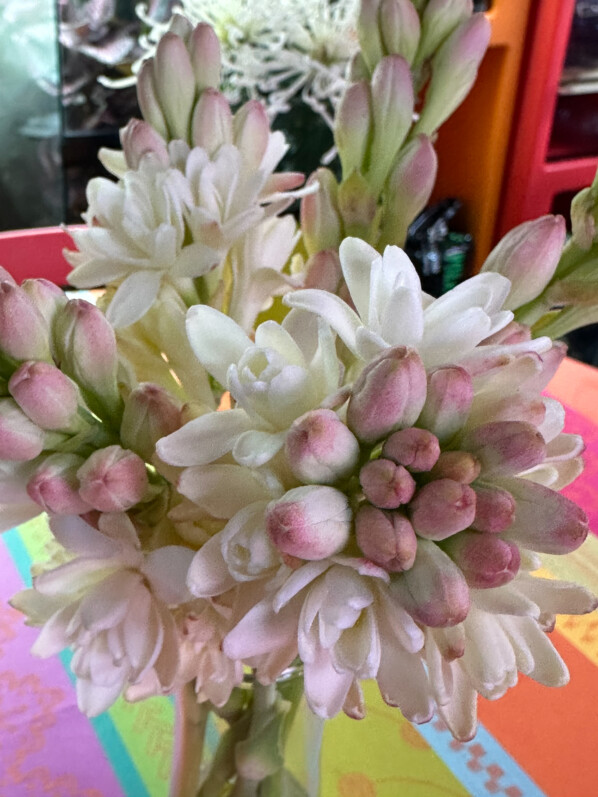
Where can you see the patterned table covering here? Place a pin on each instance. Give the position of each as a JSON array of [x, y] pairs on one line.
[[535, 742]]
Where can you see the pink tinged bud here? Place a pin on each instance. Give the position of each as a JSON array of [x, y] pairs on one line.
[[358, 206], [434, 590], [148, 101], [386, 538], [320, 448], [409, 188], [48, 397], [505, 448], [251, 131], [392, 112], [112, 479], [386, 484], [352, 127], [46, 296], [440, 18], [485, 560], [320, 219], [204, 51], [368, 30], [85, 347], [495, 509], [545, 521], [150, 412], [448, 402], [175, 84], [442, 508], [138, 139], [399, 28], [454, 70], [460, 466], [23, 331], [55, 486], [212, 124], [528, 256], [389, 393], [20, 439], [323, 271], [416, 449], [310, 523]]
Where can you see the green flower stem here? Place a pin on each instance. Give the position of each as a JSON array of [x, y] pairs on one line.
[[190, 726]]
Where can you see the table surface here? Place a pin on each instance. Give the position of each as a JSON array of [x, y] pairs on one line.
[[535, 741]]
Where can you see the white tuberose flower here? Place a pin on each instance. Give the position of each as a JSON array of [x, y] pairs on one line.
[[392, 310], [110, 605]]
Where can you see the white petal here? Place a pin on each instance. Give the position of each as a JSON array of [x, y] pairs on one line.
[[208, 573], [222, 490], [356, 262], [254, 448], [93, 700], [166, 569], [134, 297], [261, 631], [217, 340], [74, 534], [325, 689], [331, 308], [203, 439]]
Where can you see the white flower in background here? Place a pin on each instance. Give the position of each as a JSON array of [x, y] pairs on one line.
[[110, 605], [274, 380]]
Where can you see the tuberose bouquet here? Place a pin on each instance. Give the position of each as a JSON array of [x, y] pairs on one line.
[[354, 481]]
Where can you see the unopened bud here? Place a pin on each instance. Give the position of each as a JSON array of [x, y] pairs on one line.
[[251, 130], [448, 401], [504, 448], [358, 206], [150, 412], [309, 522], [389, 393], [386, 538], [442, 508], [460, 466], [320, 448], [528, 255], [20, 439], [320, 218], [323, 271], [174, 84], [485, 560], [399, 28], [55, 486], [386, 484], [212, 124], [416, 449], [148, 101], [370, 40], [48, 397], [204, 51], [23, 331], [46, 296], [352, 126], [434, 590], [138, 139], [495, 509], [440, 18], [112, 479]]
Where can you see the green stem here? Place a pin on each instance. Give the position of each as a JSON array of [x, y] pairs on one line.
[[189, 732]]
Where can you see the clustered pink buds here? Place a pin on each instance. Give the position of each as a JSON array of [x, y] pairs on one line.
[[113, 479], [48, 397], [55, 485]]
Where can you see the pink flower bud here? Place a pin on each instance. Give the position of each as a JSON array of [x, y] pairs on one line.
[[460, 466], [416, 449], [485, 560], [20, 439], [434, 590], [389, 394], [150, 413], [323, 271], [55, 486], [440, 18], [46, 296], [528, 256], [23, 331], [386, 484], [392, 114], [85, 347], [409, 188], [251, 130], [148, 101], [204, 51], [174, 84], [442, 508], [511, 334], [399, 28], [320, 219], [48, 397], [138, 139], [386, 538], [370, 41], [212, 124], [112, 479], [494, 511], [352, 127], [309, 522], [448, 401], [358, 205], [320, 448], [504, 448]]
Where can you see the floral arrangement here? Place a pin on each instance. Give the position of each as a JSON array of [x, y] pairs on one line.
[[360, 489]]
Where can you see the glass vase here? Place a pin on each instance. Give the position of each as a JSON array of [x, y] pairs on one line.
[[264, 742]]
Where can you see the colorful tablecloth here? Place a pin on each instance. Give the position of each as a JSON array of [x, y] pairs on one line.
[[534, 742]]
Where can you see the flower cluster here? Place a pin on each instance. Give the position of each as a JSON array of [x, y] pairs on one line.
[[364, 487]]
